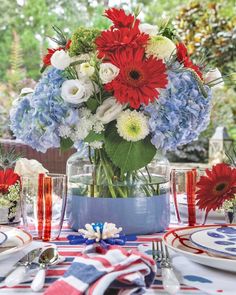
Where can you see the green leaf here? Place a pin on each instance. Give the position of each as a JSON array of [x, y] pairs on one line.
[[93, 136], [92, 104], [66, 144], [128, 155]]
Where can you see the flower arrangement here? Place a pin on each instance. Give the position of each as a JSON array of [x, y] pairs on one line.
[[217, 189], [9, 192], [126, 92]]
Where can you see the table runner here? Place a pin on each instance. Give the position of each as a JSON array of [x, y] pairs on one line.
[[69, 251]]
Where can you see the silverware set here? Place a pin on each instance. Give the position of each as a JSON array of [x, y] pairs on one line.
[[34, 264], [161, 255]]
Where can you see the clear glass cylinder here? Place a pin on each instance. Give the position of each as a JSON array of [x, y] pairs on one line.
[[43, 205], [138, 201]]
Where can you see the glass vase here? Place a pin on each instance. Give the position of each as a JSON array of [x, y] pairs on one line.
[[98, 192], [230, 215]]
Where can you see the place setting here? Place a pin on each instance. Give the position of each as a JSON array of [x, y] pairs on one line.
[[117, 153]]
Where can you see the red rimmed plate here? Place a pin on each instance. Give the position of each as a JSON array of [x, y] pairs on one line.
[[179, 241], [17, 239]]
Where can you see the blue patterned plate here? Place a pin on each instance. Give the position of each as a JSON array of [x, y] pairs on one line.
[[3, 237], [220, 240]]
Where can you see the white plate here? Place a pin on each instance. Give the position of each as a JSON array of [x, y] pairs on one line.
[[17, 239], [179, 241], [220, 240], [3, 237]]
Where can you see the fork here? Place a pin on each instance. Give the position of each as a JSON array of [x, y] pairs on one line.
[[161, 255]]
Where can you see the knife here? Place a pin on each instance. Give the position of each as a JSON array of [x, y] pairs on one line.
[[22, 266]]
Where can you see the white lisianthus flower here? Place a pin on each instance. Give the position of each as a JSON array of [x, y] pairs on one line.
[[86, 69], [77, 91], [215, 77], [108, 72], [109, 110], [132, 125], [148, 29], [60, 59], [160, 47]]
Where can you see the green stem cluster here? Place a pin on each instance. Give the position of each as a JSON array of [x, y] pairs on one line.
[[109, 181]]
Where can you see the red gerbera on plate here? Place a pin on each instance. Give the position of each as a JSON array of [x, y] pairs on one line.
[[7, 178], [183, 57], [120, 19], [112, 40], [138, 79], [217, 186]]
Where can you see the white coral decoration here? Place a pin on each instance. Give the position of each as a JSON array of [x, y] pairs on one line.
[[109, 231]]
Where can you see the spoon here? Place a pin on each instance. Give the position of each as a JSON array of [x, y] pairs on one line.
[[22, 267], [48, 257]]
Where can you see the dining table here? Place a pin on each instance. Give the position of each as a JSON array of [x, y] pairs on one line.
[[69, 252]]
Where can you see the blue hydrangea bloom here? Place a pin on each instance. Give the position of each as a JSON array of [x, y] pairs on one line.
[[36, 117], [181, 112]]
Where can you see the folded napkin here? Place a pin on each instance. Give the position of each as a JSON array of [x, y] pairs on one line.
[[206, 279], [96, 269]]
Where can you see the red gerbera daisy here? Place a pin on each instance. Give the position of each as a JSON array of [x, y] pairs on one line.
[[217, 186], [112, 40], [7, 178], [183, 57], [138, 79], [68, 44], [120, 19]]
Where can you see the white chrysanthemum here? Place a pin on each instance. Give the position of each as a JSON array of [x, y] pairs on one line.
[[96, 144], [84, 112], [64, 131], [132, 125], [160, 47], [82, 129], [98, 127]]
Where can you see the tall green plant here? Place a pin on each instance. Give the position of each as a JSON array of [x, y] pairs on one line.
[[16, 73]]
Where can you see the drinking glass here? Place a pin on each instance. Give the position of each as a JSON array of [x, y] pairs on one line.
[[183, 198], [43, 205], [183, 188]]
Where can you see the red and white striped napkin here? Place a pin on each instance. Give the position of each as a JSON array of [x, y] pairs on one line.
[[97, 269]]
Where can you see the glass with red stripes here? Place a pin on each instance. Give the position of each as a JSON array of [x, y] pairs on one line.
[[43, 205]]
